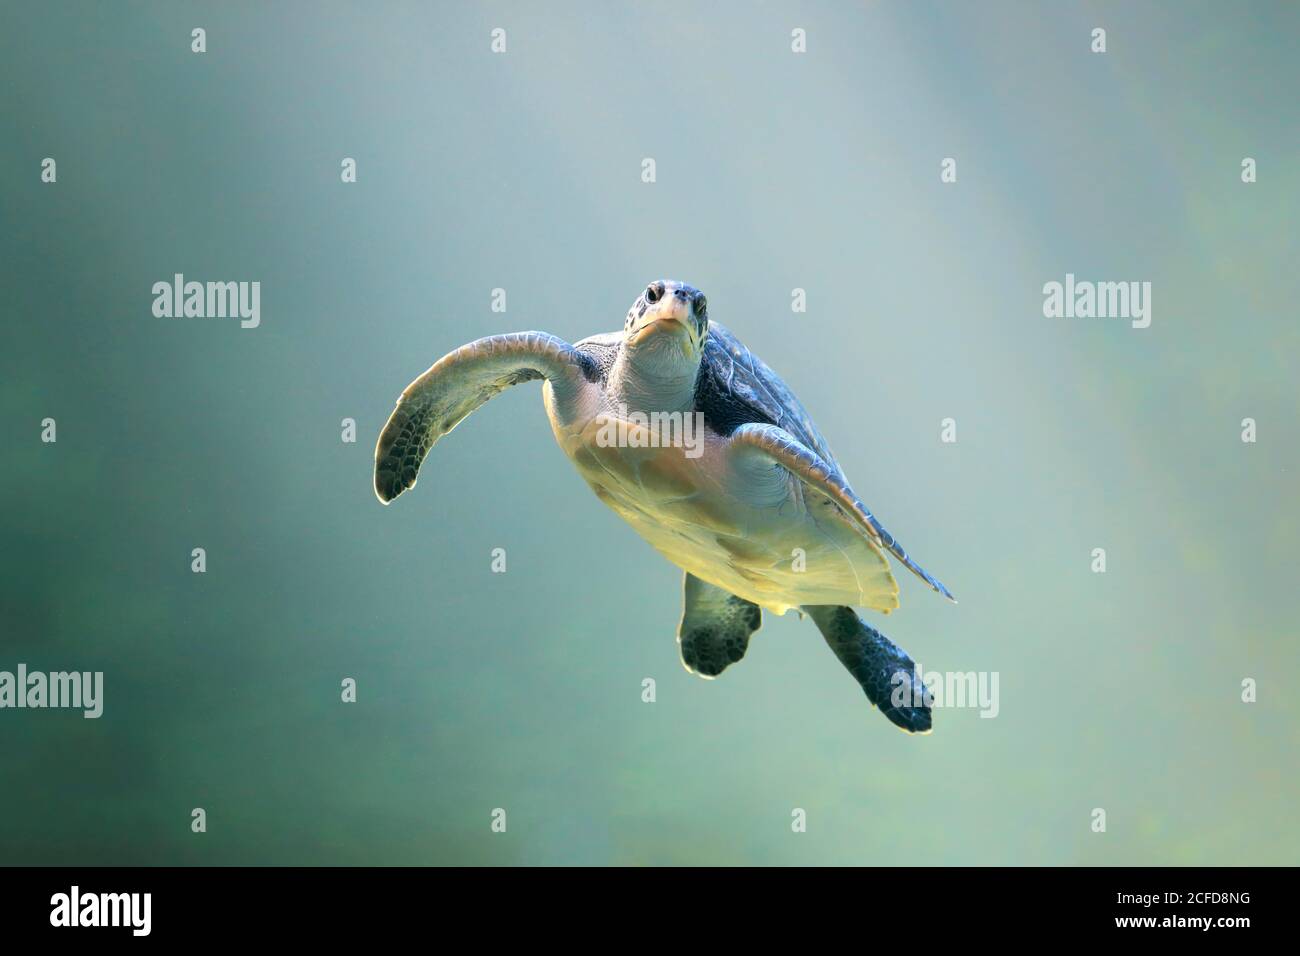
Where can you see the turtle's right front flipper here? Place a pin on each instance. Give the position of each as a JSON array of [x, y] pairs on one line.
[[883, 668], [460, 382]]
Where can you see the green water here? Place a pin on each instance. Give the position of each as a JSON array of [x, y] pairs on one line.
[[522, 171]]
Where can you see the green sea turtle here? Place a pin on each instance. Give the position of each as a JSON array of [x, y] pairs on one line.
[[703, 449]]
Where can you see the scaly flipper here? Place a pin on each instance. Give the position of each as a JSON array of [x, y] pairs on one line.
[[785, 450], [715, 629], [460, 382], [883, 668]]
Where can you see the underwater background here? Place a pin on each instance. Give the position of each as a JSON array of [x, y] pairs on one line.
[[522, 171]]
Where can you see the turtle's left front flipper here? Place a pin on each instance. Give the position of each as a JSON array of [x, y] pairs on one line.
[[460, 382], [716, 627], [770, 444]]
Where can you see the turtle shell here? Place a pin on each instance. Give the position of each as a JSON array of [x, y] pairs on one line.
[[736, 387]]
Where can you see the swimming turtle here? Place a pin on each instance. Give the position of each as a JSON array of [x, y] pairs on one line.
[[748, 500]]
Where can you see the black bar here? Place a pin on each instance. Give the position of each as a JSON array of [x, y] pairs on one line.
[[239, 904]]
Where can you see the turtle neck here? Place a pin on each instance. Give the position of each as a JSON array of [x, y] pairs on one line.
[[662, 380]]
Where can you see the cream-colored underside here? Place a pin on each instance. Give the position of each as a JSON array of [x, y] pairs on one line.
[[777, 543]]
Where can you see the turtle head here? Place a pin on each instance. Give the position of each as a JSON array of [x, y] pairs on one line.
[[667, 325], [663, 345]]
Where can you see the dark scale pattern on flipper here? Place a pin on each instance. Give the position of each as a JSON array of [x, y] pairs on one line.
[[402, 451], [876, 662], [709, 651], [716, 628]]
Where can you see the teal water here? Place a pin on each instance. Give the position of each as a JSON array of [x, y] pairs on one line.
[[521, 171]]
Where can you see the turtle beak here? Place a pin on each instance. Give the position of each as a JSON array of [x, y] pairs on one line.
[[670, 315]]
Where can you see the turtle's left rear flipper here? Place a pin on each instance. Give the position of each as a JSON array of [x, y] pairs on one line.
[[883, 668]]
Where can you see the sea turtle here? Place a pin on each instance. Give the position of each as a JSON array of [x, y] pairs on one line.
[[748, 501]]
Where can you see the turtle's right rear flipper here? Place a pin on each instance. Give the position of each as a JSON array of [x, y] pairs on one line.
[[883, 668]]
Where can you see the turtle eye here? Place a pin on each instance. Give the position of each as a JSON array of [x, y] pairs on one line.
[[652, 294], [701, 304]]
